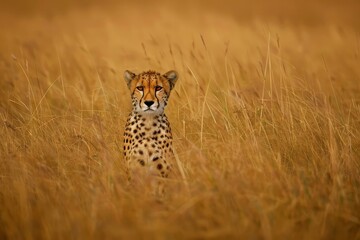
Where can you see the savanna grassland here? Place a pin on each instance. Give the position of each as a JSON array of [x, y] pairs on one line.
[[265, 117]]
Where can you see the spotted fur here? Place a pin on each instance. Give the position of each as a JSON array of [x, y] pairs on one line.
[[147, 136]]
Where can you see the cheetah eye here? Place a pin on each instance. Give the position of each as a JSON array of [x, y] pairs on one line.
[[140, 88], [158, 88]]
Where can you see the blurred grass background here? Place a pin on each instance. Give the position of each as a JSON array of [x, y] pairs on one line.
[[265, 118], [311, 12]]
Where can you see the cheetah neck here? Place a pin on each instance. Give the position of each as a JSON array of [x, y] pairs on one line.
[[147, 121]]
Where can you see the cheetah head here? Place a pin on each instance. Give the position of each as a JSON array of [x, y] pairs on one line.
[[150, 90]]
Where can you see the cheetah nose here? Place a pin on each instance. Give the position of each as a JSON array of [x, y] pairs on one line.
[[149, 103]]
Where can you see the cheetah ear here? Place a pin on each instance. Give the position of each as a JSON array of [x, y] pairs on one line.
[[171, 76], [129, 76]]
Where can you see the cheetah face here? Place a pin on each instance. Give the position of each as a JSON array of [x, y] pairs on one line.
[[150, 90]]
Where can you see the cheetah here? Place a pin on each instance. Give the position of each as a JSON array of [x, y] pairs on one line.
[[147, 135]]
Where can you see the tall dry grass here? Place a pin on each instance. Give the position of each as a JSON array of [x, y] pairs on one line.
[[265, 118]]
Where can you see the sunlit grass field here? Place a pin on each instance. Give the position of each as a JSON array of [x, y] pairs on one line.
[[265, 117]]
